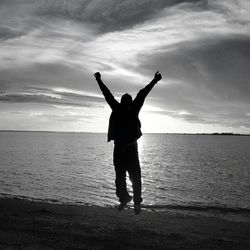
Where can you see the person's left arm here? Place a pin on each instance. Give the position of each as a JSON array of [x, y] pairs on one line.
[[142, 94]]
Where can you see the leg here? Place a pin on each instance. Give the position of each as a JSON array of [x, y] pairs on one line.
[[134, 171], [135, 177], [121, 185], [120, 172]]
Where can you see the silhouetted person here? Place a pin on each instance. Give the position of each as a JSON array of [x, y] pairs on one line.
[[125, 129]]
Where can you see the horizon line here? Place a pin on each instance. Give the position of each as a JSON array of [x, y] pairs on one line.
[[86, 132]]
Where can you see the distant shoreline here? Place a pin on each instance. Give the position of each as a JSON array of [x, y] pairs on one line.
[[76, 132]]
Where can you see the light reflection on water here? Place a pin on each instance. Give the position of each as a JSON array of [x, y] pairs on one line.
[[176, 169], [196, 169]]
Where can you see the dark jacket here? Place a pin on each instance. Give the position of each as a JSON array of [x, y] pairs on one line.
[[124, 123]]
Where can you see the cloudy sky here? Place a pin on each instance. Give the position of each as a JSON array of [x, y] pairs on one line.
[[50, 49]]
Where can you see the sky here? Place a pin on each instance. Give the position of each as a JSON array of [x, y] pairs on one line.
[[50, 49]]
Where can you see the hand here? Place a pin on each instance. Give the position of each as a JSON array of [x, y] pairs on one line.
[[157, 76], [97, 75]]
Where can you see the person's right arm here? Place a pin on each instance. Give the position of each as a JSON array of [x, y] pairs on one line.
[[113, 103]]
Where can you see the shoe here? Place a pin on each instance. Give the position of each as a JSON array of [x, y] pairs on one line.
[[137, 208], [123, 204]]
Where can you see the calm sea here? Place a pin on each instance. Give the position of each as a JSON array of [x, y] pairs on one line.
[[187, 171]]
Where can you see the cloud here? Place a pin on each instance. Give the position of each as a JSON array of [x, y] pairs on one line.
[[109, 15], [97, 16], [119, 52], [207, 78], [236, 12], [45, 75], [46, 96], [7, 33], [218, 66], [69, 117]]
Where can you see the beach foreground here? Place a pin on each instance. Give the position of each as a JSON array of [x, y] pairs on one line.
[[38, 225]]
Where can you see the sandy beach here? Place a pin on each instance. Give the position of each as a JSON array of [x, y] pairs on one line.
[[39, 225]]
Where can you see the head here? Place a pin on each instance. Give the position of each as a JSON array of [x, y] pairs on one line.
[[126, 100]]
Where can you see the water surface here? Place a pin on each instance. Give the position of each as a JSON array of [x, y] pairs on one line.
[[177, 170]]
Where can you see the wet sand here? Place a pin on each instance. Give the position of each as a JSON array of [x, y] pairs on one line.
[[38, 225]]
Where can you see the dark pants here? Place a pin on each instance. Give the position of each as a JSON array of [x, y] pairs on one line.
[[126, 160]]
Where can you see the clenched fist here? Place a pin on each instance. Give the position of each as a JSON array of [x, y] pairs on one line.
[[157, 76], [97, 75]]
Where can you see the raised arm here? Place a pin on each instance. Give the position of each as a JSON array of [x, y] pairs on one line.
[[139, 99], [113, 103]]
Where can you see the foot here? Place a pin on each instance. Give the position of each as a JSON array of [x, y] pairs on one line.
[[137, 208], [123, 204]]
